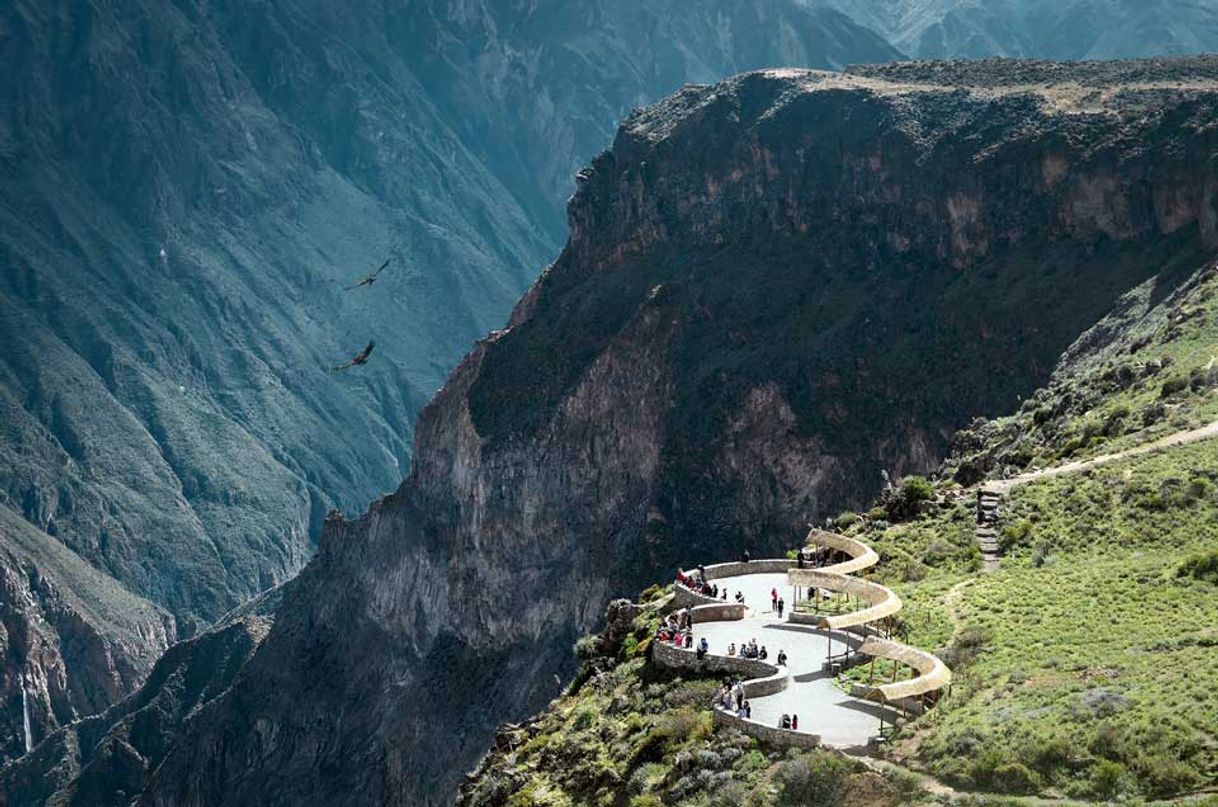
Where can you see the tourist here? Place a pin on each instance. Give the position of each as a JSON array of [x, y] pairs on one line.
[[740, 597], [781, 605], [725, 593], [731, 649], [773, 599], [762, 654], [703, 647], [715, 591], [782, 658], [748, 711], [794, 722], [785, 722], [689, 640], [744, 556]]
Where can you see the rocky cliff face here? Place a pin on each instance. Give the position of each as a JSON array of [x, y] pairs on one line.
[[186, 188], [107, 757], [72, 641], [774, 288]]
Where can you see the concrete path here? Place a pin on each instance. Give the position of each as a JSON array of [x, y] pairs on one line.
[[840, 720]]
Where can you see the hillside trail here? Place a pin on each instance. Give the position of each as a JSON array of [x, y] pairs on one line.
[[1180, 438], [954, 595]]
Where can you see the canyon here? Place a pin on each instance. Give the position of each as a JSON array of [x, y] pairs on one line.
[[774, 288]]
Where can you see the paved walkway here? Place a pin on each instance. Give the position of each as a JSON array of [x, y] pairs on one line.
[[840, 720]]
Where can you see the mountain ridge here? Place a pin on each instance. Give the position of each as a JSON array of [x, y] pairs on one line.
[[433, 592]]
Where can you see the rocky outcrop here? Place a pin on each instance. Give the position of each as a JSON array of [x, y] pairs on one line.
[[774, 288], [106, 758], [185, 191], [72, 641]]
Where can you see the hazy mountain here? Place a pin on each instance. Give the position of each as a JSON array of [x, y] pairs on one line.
[[185, 190], [774, 288], [1047, 29]]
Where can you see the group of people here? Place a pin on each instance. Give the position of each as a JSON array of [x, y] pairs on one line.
[[731, 698], [749, 649], [789, 722], [697, 583], [678, 628]]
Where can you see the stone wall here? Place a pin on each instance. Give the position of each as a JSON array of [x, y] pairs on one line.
[[683, 597], [718, 612], [782, 738], [719, 570], [759, 677]]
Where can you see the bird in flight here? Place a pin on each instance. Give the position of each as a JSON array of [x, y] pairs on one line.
[[360, 358], [370, 279]]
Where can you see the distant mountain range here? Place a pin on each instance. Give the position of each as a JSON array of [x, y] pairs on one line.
[[1042, 29], [185, 190]]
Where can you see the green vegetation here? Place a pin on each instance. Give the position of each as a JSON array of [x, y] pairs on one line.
[[1142, 377], [1085, 666], [629, 734]]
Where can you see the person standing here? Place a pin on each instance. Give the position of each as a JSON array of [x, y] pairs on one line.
[[773, 599], [781, 605]]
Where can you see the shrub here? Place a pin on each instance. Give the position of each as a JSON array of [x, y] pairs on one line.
[[818, 778], [1199, 488], [965, 648], [1201, 567], [1014, 777], [1173, 385], [1162, 775], [1016, 534], [904, 503], [937, 552], [1108, 779], [588, 647], [846, 520]]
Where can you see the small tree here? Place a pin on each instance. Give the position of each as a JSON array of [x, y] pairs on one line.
[[905, 502]]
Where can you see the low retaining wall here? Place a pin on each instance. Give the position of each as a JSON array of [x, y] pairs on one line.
[[760, 678], [783, 738], [717, 612], [771, 566], [683, 597]]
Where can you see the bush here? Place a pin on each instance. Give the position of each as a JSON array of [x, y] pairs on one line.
[[1201, 567], [846, 520], [588, 647], [819, 778], [1162, 776], [1108, 779], [1173, 385], [904, 503], [1016, 534], [1014, 777]]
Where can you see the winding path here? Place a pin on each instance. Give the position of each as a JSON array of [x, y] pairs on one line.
[[991, 492], [806, 686], [1205, 432]]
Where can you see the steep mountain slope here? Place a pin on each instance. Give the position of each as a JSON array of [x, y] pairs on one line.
[[186, 188], [105, 757], [1047, 29], [773, 289], [541, 86], [1081, 665], [73, 639]]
